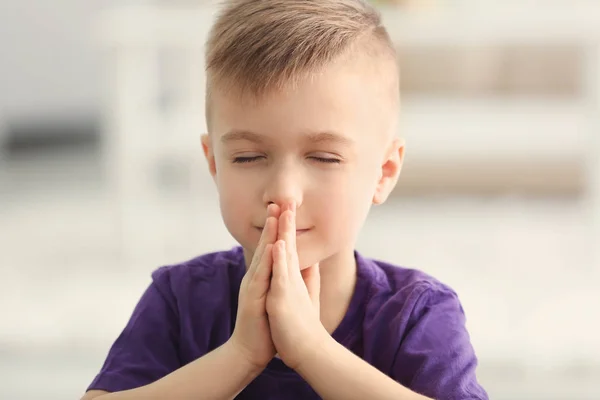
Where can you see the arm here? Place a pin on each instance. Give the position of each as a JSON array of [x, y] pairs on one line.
[[436, 356], [304, 345], [224, 374], [144, 362], [336, 373]]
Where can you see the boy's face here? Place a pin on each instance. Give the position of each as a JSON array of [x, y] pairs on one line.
[[325, 145]]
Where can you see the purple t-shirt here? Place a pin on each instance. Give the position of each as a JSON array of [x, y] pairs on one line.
[[402, 321]]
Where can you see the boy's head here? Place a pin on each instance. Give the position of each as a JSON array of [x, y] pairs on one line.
[[302, 105]]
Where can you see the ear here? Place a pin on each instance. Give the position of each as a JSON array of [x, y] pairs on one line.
[[209, 154], [390, 171]]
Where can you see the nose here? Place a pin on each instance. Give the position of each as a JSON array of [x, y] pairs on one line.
[[283, 185]]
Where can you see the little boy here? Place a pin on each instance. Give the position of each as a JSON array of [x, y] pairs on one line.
[[302, 109]]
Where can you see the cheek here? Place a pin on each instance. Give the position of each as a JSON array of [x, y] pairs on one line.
[[235, 201], [343, 206]]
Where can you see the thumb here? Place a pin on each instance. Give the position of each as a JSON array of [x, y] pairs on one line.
[[312, 280]]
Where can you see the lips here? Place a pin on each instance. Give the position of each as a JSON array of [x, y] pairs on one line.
[[298, 231]]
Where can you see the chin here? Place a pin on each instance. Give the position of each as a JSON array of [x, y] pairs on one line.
[[309, 257], [303, 266]]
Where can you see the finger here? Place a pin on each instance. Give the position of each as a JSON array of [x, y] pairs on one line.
[[262, 243], [274, 210], [287, 233], [292, 228], [268, 236], [312, 280], [262, 276], [287, 226], [280, 268], [269, 233]]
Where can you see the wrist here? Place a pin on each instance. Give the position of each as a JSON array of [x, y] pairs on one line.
[[316, 350], [243, 357]]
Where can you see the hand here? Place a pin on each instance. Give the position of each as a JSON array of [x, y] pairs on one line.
[[293, 298], [251, 335]]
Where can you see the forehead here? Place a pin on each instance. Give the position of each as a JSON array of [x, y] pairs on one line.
[[341, 99]]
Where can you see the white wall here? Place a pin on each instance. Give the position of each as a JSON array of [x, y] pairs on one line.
[[49, 60]]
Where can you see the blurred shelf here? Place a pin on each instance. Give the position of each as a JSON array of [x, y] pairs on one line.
[[500, 23], [559, 22], [455, 129], [565, 178], [494, 146]]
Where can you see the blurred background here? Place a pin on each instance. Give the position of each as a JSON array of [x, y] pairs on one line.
[[102, 179]]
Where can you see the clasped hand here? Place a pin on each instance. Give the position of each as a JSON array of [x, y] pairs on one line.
[[278, 311]]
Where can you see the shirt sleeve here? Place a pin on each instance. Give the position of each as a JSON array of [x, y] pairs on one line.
[[146, 350], [436, 356]]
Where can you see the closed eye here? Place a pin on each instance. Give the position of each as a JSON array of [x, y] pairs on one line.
[[327, 160], [242, 160], [250, 159]]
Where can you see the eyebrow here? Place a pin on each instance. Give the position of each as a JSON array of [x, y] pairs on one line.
[[327, 136], [236, 135], [313, 137]]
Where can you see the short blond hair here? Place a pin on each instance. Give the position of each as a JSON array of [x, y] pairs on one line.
[[257, 46]]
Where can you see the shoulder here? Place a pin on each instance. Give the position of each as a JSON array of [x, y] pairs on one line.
[[404, 295], [415, 332], [210, 273], [393, 282]]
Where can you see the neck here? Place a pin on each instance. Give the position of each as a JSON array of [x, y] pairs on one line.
[[338, 279]]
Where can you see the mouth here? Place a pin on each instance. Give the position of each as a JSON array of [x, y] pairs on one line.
[[298, 231]]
